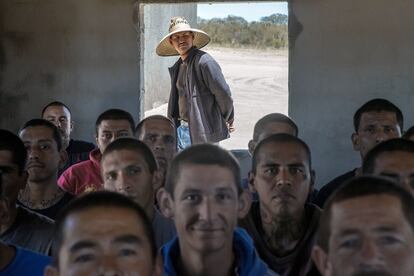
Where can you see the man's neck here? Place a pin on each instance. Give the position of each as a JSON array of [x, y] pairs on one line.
[[282, 234], [184, 56], [7, 254], [41, 195], [193, 263]]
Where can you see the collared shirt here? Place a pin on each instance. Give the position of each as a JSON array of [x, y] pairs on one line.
[[182, 91]]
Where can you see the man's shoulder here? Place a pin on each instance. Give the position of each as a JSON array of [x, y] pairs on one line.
[[332, 186], [26, 262], [79, 146], [28, 217]]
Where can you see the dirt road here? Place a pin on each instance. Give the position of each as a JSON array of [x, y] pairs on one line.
[[259, 85]]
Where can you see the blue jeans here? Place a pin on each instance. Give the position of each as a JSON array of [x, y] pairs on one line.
[[183, 137]]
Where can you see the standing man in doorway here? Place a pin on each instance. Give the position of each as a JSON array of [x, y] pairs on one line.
[[200, 99]]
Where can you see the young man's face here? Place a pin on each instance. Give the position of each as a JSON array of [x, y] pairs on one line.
[[105, 241], [159, 135], [60, 117], [370, 236], [127, 172], [374, 128], [182, 42], [398, 165], [109, 130], [270, 129], [205, 207], [283, 178], [43, 156], [13, 180]]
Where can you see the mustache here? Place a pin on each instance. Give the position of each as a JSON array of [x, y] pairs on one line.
[[34, 164]]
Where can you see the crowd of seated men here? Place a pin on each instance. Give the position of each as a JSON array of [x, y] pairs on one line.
[[135, 206]]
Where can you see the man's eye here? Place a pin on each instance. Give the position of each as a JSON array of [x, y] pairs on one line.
[[44, 147], [133, 171], [296, 170], [169, 140], [271, 171], [389, 240], [111, 176], [192, 198], [127, 252], [224, 197], [84, 258], [107, 136], [350, 244]]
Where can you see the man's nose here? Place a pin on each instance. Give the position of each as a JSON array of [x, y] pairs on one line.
[[370, 253], [108, 266], [32, 153], [206, 210], [283, 177]]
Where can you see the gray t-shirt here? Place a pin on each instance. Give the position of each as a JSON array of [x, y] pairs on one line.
[[164, 229], [30, 231]]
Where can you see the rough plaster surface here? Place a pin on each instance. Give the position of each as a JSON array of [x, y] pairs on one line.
[[347, 53], [83, 53]]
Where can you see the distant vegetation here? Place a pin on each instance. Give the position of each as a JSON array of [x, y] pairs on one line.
[[234, 31]]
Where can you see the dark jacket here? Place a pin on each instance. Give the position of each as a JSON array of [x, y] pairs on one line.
[[210, 104], [247, 261]]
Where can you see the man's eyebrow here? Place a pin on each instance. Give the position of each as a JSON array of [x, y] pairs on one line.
[[191, 190], [224, 189], [81, 245], [269, 164], [347, 232], [385, 229], [133, 239], [296, 165]]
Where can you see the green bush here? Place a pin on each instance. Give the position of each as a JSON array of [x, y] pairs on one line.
[[234, 31]]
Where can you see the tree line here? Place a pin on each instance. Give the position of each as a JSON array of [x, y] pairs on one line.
[[234, 31]]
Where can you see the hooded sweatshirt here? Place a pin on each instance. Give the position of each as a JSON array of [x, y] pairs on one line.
[[248, 263]]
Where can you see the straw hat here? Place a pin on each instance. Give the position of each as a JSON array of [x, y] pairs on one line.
[[180, 24]]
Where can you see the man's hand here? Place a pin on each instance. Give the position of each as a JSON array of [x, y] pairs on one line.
[[230, 126]]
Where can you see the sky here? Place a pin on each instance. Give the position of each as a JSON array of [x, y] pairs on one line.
[[249, 11]]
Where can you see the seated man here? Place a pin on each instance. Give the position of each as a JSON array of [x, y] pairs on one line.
[[376, 121], [273, 123], [86, 175], [158, 132], [282, 224], [129, 167], [22, 228], [103, 233], [394, 159], [45, 156], [367, 228], [204, 197], [16, 260], [59, 114]]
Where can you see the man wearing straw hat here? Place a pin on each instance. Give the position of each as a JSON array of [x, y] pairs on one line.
[[200, 100]]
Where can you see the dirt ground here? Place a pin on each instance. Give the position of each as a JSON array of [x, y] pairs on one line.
[[259, 84]]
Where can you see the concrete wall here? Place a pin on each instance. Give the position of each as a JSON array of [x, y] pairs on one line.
[[84, 53], [343, 54], [156, 77]]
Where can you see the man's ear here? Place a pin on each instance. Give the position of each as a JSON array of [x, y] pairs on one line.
[[51, 271], [63, 158], [312, 181], [251, 145], [251, 177], [245, 201], [165, 203], [320, 258], [355, 141], [72, 124]]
